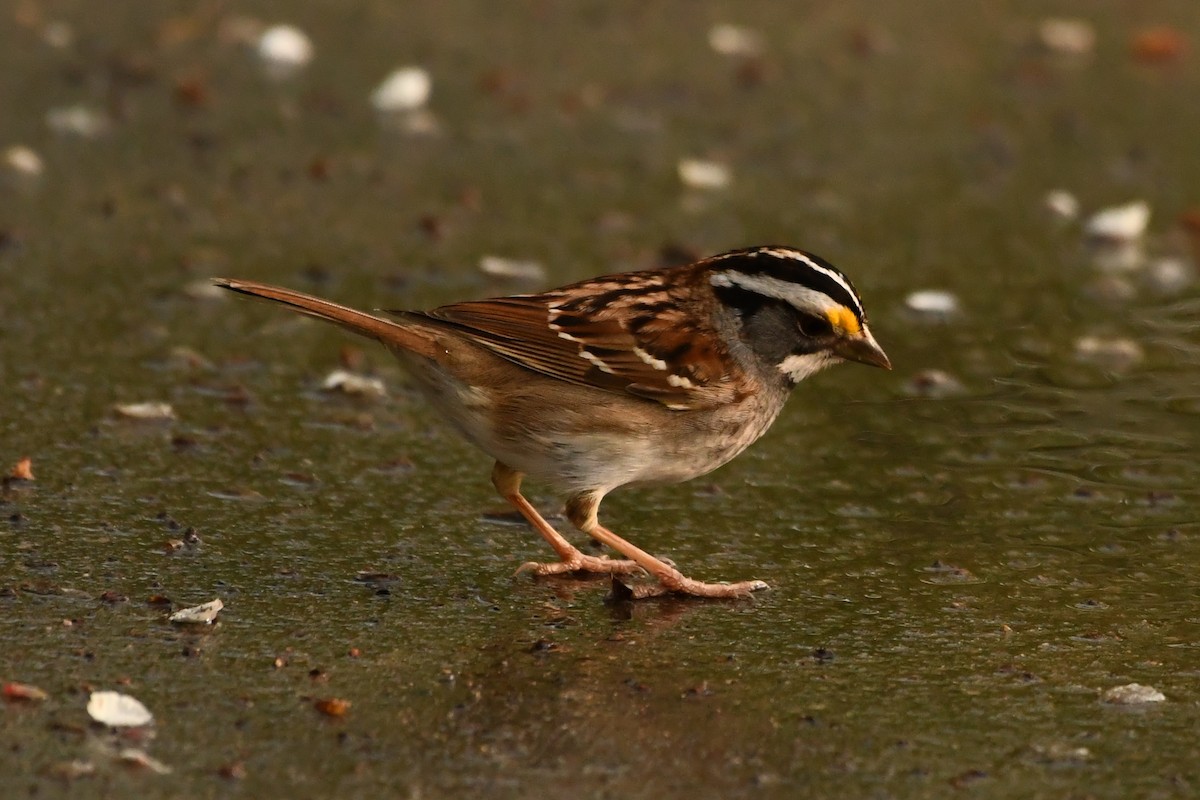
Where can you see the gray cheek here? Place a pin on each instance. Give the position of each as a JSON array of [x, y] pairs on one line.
[[771, 333]]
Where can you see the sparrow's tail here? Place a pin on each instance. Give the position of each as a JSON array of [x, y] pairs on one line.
[[392, 334]]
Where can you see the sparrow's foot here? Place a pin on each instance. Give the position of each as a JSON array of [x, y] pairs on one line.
[[581, 563], [676, 582]]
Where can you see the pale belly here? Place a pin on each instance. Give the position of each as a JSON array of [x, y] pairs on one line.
[[594, 440]]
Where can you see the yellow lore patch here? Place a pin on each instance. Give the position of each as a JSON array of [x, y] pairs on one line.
[[843, 319]]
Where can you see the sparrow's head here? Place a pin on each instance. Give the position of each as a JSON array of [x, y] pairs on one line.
[[798, 311]]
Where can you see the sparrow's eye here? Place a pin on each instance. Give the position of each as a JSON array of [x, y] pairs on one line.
[[814, 327]]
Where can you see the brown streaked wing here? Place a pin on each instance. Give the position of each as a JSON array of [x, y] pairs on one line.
[[600, 325], [517, 329]]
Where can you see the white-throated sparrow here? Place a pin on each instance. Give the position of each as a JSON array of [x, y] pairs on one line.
[[643, 377]]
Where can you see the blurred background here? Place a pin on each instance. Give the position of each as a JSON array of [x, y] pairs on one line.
[[972, 557]]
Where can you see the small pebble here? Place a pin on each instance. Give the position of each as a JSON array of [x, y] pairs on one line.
[[22, 470], [1158, 45], [24, 692], [78, 120], [1062, 204], [204, 289], [1109, 255], [942, 572], [23, 162], [1133, 694], [933, 383], [58, 34], [1120, 223], [406, 89], [186, 358], [1111, 289], [1112, 352], [135, 757], [72, 770], [284, 50], [697, 173], [1062, 753], [734, 40], [1169, 276], [332, 706], [1067, 36]]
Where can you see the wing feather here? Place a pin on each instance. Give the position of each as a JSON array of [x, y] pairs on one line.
[[635, 333]]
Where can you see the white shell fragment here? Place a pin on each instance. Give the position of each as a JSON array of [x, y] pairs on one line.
[[932, 303], [1061, 204], [406, 89], [1133, 694], [145, 411], [187, 358], [934, 383], [1114, 256], [1120, 223], [204, 289], [22, 161], [351, 383], [118, 710], [511, 268], [58, 34], [1169, 275], [697, 173], [1113, 289], [1067, 36], [284, 50], [1062, 753], [734, 40], [81, 121], [1116, 353], [203, 614]]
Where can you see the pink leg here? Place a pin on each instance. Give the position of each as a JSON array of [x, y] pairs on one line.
[[508, 482], [582, 511]]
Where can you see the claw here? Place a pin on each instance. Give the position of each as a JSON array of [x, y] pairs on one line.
[[679, 584]]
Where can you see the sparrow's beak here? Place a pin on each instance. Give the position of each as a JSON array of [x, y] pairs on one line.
[[862, 348]]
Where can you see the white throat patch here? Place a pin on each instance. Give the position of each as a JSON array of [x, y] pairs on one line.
[[799, 367]]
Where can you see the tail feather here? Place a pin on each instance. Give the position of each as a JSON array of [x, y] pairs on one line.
[[387, 331]]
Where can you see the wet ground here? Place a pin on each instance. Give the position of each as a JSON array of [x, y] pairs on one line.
[[961, 570]]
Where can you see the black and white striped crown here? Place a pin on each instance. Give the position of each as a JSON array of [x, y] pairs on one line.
[[806, 281]]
